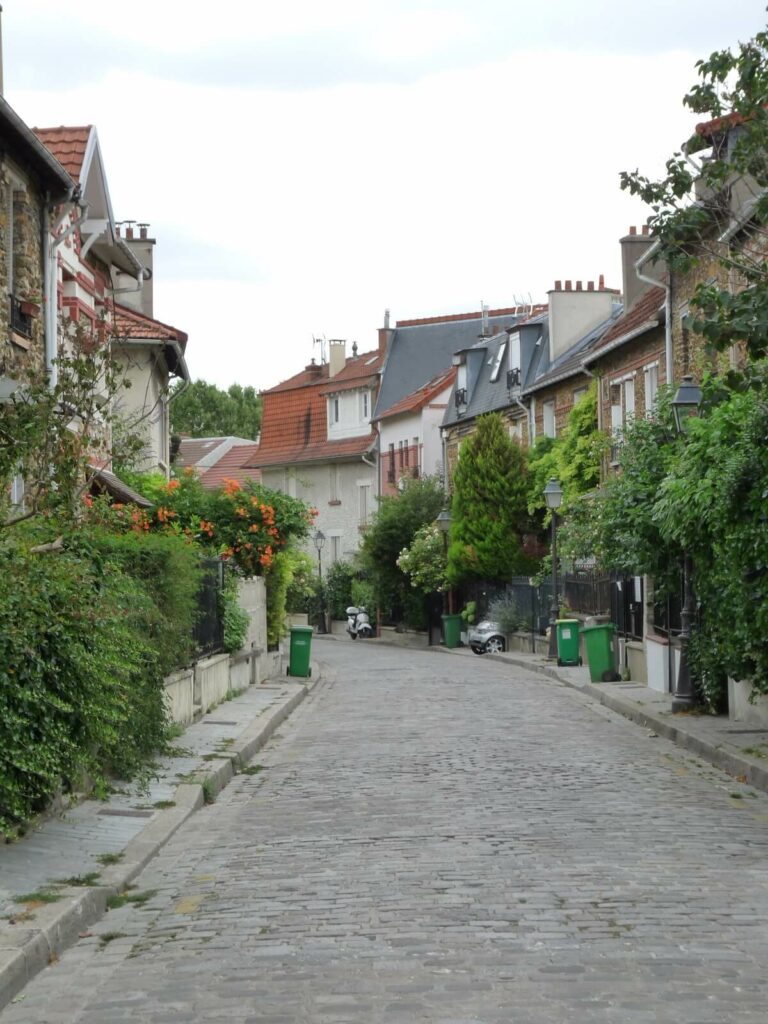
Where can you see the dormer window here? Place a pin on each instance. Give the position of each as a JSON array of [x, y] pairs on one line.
[[333, 410], [498, 361]]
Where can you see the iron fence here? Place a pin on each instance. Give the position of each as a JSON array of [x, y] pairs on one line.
[[208, 630]]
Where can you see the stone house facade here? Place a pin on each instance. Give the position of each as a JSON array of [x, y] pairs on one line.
[[32, 182]]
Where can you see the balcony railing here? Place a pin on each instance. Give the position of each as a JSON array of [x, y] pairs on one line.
[[21, 323]]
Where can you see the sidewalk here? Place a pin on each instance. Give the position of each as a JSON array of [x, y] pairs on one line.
[[58, 878]]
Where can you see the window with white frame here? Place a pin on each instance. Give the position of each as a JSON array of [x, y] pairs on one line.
[[651, 381], [578, 394], [622, 393], [514, 351], [17, 491], [333, 410], [335, 547], [548, 417], [364, 497], [515, 430], [365, 406], [333, 483]]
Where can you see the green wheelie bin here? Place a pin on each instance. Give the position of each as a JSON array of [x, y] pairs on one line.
[[568, 642], [452, 630], [301, 645], [598, 641]]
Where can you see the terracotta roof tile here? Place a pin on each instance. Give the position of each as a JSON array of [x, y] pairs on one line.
[[645, 313], [130, 324], [294, 422], [68, 145], [418, 399], [232, 466]]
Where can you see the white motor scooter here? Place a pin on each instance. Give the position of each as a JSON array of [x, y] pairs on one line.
[[358, 623]]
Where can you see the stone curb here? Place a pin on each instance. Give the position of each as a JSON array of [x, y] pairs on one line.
[[57, 926]]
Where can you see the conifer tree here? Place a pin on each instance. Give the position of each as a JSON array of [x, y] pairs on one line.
[[489, 508]]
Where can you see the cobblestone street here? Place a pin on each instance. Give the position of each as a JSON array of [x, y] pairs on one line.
[[441, 838]]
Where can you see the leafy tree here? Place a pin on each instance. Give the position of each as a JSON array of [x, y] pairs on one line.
[[731, 181], [52, 436], [489, 509], [203, 410], [393, 528]]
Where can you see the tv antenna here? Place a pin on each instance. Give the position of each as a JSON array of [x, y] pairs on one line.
[[322, 342]]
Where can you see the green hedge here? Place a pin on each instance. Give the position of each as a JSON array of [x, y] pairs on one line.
[[86, 637]]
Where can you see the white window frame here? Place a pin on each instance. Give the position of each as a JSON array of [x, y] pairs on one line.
[[498, 361], [365, 406], [548, 409], [651, 373], [333, 482], [333, 410], [364, 503]]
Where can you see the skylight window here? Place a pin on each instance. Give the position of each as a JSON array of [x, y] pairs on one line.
[[498, 361], [371, 360]]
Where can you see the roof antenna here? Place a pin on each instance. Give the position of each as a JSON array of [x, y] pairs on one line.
[[321, 341]]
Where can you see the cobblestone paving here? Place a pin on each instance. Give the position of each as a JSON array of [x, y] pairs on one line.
[[440, 839]]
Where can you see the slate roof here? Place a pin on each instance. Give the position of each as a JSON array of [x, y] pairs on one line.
[[422, 396], [646, 314], [416, 347], [294, 419], [68, 145], [570, 362]]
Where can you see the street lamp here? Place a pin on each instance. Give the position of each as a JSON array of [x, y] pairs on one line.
[[553, 495], [319, 541], [685, 406], [444, 525]]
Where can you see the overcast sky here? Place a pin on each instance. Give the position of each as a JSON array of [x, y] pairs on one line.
[[306, 165]]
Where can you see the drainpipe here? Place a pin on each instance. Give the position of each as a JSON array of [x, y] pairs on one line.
[[527, 410], [668, 360]]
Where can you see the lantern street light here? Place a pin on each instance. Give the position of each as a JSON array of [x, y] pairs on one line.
[[553, 495], [319, 541], [444, 525], [685, 406]]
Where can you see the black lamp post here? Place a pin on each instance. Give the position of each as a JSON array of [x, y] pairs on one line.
[[553, 495], [444, 525], [319, 541], [685, 405]]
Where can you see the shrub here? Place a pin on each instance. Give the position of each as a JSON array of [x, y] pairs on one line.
[[81, 689], [168, 569], [338, 581], [236, 619]]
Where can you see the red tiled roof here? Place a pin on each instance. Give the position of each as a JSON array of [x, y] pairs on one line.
[[356, 374], [130, 324], [68, 145], [644, 315], [232, 466], [193, 449], [450, 318], [294, 422], [418, 399]]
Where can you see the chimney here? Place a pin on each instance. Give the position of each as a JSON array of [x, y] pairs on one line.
[[142, 247], [485, 331], [337, 356], [313, 368], [633, 245], [574, 312], [385, 333]]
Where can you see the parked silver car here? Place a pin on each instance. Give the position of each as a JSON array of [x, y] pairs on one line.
[[486, 638]]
